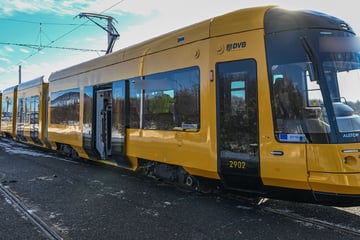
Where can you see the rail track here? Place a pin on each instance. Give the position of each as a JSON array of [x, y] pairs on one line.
[[260, 204], [313, 221], [23, 209]]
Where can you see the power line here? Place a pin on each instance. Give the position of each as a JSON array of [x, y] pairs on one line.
[[49, 45], [112, 6], [40, 47], [44, 23]]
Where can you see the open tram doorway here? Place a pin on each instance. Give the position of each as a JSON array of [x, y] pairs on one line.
[[105, 122]]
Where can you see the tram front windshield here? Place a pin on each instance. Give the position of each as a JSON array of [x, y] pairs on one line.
[[315, 81]]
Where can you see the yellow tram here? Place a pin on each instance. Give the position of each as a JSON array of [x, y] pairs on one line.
[[262, 99]]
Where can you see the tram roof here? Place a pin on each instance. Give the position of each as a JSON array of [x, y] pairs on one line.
[[10, 89], [237, 21], [32, 83]]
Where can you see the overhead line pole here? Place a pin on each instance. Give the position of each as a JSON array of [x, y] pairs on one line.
[[113, 34], [19, 74]]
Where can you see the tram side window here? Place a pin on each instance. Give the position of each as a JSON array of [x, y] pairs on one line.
[[135, 102], [7, 110], [34, 111], [88, 111], [65, 107], [20, 117], [28, 110], [21, 111], [170, 100], [34, 116]]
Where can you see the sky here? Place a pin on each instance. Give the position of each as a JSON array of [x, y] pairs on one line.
[[37, 34]]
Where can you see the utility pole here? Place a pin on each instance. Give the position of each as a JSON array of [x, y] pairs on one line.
[[19, 74], [113, 34]]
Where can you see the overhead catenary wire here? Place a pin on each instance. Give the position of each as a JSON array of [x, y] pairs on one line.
[[52, 42], [43, 23], [40, 47], [49, 45], [112, 6]]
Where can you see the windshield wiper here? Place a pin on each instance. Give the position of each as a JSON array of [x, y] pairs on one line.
[[310, 53]]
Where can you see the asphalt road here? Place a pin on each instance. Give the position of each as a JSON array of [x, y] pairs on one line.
[[81, 200]]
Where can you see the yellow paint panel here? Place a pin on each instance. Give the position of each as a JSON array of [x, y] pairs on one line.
[[335, 183], [287, 170], [239, 21], [69, 135], [188, 149], [344, 158]]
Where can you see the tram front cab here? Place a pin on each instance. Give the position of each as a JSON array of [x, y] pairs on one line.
[[315, 106]]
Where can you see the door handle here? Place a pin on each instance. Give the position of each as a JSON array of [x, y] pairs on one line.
[[277, 153]]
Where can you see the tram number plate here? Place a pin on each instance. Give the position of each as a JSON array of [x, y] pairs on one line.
[[237, 164]]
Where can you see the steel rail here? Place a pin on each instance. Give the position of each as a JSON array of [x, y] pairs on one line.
[[260, 204], [19, 205], [328, 225]]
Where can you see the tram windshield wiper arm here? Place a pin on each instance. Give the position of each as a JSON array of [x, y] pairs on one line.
[[309, 51]]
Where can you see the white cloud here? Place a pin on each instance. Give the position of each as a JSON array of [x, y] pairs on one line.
[[5, 60], [9, 49], [66, 4], [24, 50], [22, 5], [74, 7], [8, 7]]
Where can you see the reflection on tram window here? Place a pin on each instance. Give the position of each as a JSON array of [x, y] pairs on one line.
[[65, 107], [170, 100]]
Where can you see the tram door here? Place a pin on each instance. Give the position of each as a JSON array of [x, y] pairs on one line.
[[237, 123], [103, 122]]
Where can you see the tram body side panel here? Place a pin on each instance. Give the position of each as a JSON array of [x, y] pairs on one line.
[[194, 149], [173, 147], [66, 126], [334, 168], [38, 119], [25, 125]]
